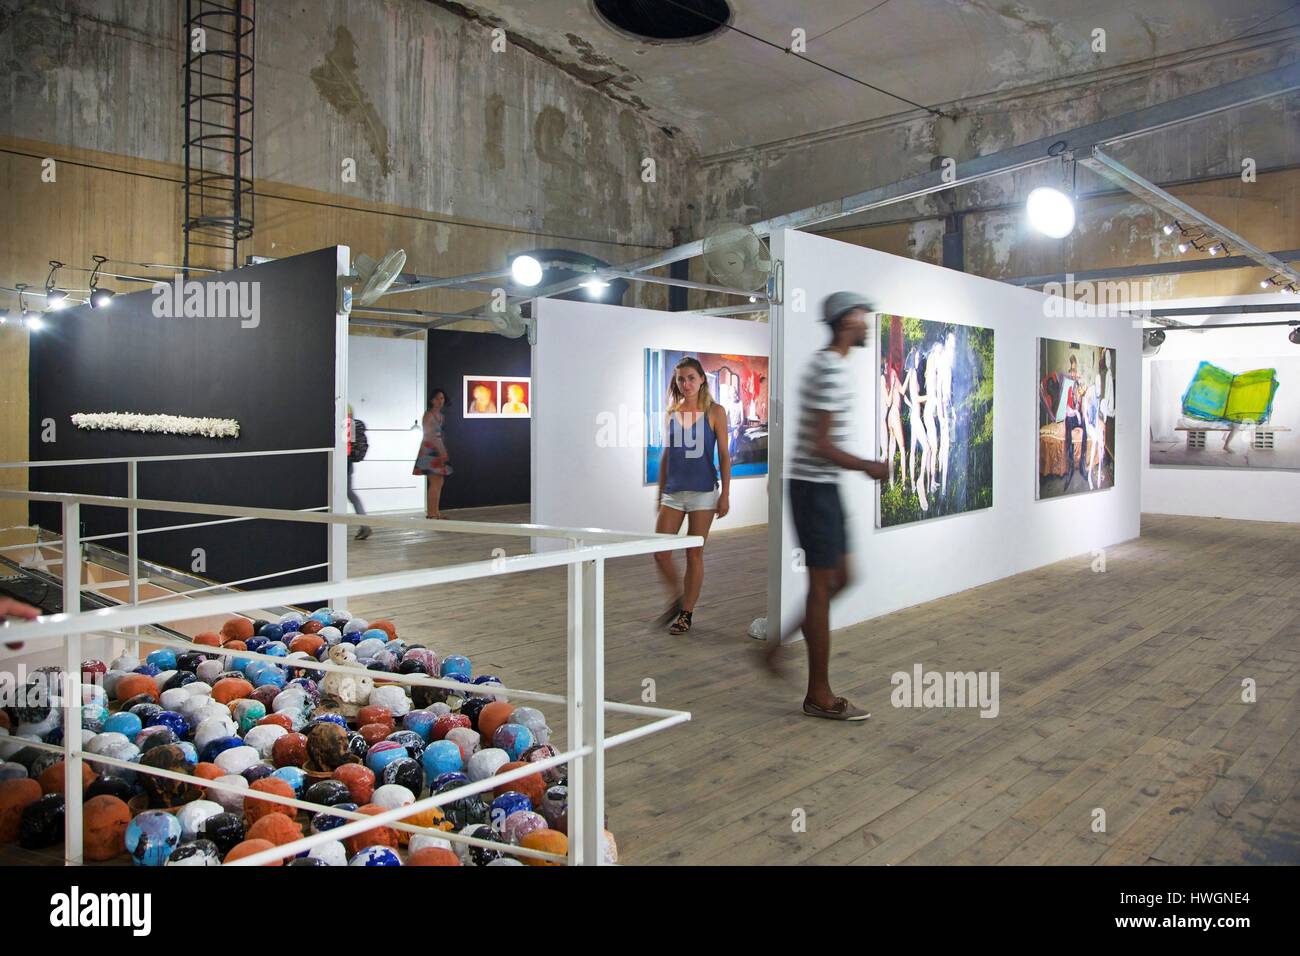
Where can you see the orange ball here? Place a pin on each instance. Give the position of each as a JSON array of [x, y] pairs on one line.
[[208, 771], [134, 684], [248, 848], [208, 639], [431, 817], [104, 823], [230, 688], [15, 795], [373, 733], [307, 643], [547, 841], [234, 646], [491, 717], [376, 836], [280, 720], [276, 827], [255, 809], [387, 627], [53, 779], [237, 629], [433, 856], [532, 786], [359, 779]]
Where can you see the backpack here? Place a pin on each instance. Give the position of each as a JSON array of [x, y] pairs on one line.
[[360, 444]]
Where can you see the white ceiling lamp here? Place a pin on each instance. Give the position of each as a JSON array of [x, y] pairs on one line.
[[595, 287], [54, 298], [526, 270], [1051, 212]]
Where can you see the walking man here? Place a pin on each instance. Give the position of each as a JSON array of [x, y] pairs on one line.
[[826, 397]]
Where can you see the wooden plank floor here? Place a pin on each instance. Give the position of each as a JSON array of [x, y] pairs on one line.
[[1120, 691]]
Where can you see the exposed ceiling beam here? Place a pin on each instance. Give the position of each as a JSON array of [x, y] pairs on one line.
[[1119, 174], [1151, 269], [1081, 140]]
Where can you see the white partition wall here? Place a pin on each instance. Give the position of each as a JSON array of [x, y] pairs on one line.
[[588, 466], [1212, 492], [908, 564], [387, 391]]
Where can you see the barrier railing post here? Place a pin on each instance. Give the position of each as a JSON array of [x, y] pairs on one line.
[[71, 686], [576, 722], [591, 807], [132, 552]]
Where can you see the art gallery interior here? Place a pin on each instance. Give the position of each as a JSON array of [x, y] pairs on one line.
[[462, 423]]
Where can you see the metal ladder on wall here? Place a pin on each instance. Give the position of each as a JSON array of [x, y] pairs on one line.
[[218, 103]]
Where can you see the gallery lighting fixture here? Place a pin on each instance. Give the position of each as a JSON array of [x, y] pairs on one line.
[[1050, 211], [525, 270], [54, 298], [99, 298], [29, 317], [595, 287], [1169, 229], [1294, 335], [1152, 339]]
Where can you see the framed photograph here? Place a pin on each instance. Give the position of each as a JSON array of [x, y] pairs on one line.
[[738, 383], [482, 397], [935, 428], [516, 398], [1076, 418]]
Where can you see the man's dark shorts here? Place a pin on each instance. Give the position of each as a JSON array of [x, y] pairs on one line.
[[819, 522]]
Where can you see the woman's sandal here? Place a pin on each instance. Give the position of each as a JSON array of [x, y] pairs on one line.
[[682, 624], [670, 614]]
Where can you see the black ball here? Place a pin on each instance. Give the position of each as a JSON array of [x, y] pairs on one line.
[[190, 660], [110, 785], [405, 772], [42, 823], [409, 739], [307, 861], [472, 708], [328, 793], [179, 679], [226, 830], [357, 745]]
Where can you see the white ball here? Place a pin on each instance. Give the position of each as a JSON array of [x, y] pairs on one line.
[[467, 739], [263, 737], [427, 841], [230, 802], [237, 759], [100, 743], [163, 677], [193, 815], [213, 727], [173, 699], [330, 635], [198, 688], [504, 861], [393, 697], [208, 671], [125, 663], [295, 698], [485, 763], [369, 648], [333, 853], [392, 795], [211, 709], [354, 625]]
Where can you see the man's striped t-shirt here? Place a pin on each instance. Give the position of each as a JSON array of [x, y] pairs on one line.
[[826, 387]]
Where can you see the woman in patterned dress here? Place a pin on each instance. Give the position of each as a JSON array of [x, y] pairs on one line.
[[433, 462]]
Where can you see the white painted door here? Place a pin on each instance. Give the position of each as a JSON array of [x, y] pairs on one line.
[[386, 391]]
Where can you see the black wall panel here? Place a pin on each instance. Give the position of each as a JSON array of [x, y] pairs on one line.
[[276, 379], [489, 456]]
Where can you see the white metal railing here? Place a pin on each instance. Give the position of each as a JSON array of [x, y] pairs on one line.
[[586, 707]]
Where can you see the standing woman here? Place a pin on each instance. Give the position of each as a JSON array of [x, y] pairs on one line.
[[688, 482], [432, 462]]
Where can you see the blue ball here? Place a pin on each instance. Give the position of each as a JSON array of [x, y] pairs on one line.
[[255, 644], [295, 777], [487, 679], [123, 722], [508, 803], [173, 721], [215, 747], [376, 856], [191, 753], [328, 821], [149, 669], [440, 758], [333, 719], [275, 649], [272, 632], [456, 666], [152, 837], [375, 634], [164, 659], [325, 615], [379, 758], [420, 722], [445, 778]]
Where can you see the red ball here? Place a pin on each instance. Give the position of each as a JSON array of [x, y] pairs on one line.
[[359, 779], [289, 750], [237, 629], [448, 722], [433, 856], [375, 714], [310, 627]]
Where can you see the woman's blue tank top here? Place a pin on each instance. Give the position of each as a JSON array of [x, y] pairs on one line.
[[690, 459]]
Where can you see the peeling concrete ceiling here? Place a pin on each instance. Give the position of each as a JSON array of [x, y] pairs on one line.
[[732, 91]]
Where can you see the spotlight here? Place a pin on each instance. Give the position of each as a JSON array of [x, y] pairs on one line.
[[1182, 247], [526, 270], [1168, 229], [1152, 339], [54, 298], [1294, 335], [1213, 250], [99, 298], [595, 287], [34, 322], [1050, 212], [1265, 283]]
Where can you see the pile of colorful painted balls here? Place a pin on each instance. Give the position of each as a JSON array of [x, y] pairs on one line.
[[347, 741]]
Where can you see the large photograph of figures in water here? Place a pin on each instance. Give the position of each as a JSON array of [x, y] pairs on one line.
[[935, 427]]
